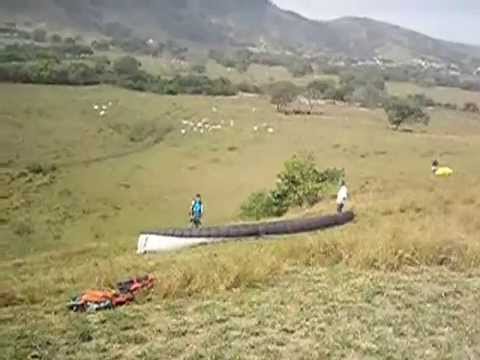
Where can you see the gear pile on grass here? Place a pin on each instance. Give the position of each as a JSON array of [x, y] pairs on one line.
[[96, 300]]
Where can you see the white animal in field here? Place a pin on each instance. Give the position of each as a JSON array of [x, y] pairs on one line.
[[104, 107], [255, 128], [270, 130], [110, 104], [254, 110], [183, 131], [232, 123], [214, 109], [103, 113], [184, 122], [95, 107], [202, 131]]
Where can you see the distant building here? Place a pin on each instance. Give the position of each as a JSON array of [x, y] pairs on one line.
[[152, 43]]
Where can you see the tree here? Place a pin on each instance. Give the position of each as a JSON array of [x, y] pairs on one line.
[[300, 68], [318, 89], [401, 111], [55, 39], [368, 96], [101, 64], [39, 35], [199, 68], [471, 107], [126, 65], [69, 41], [283, 93], [100, 45], [321, 86], [311, 96]]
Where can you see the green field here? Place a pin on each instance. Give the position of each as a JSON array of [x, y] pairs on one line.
[[401, 282]]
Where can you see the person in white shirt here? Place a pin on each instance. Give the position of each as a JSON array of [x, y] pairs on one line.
[[342, 197]]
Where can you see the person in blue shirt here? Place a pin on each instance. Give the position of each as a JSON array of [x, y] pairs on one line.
[[196, 211]]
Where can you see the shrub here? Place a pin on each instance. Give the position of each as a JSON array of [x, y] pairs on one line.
[[260, 205], [126, 65], [299, 184], [100, 45], [39, 35], [75, 50], [401, 111], [471, 107], [199, 68], [69, 41], [56, 39], [421, 100], [368, 96], [22, 228], [246, 87], [101, 64], [300, 68], [322, 86], [283, 93]]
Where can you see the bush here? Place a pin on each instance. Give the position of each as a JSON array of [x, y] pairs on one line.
[[100, 45], [260, 205], [27, 53], [300, 68], [101, 64], [75, 50], [282, 93], [421, 100], [49, 72], [69, 41], [39, 35], [249, 88], [368, 96], [126, 65], [400, 111], [471, 107], [299, 184], [56, 39], [199, 68]]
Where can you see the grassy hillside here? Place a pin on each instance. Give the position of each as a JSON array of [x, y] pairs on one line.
[[439, 94], [230, 23], [73, 228]]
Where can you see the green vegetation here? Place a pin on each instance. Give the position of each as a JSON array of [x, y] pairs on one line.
[[39, 35], [299, 184], [40, 65], [401, 111], [283, 93], [243, 59]]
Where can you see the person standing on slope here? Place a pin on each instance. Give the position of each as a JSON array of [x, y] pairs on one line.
[[342, 197], [196, 211]]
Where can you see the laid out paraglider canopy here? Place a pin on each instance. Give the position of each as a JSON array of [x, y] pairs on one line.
[[441, 171]]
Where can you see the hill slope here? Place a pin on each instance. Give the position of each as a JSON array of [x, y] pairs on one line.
[[229, 22]]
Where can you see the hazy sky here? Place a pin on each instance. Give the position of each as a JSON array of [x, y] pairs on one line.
[[457, 20]]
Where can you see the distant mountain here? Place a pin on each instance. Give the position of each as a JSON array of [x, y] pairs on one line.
[[210, 23]]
